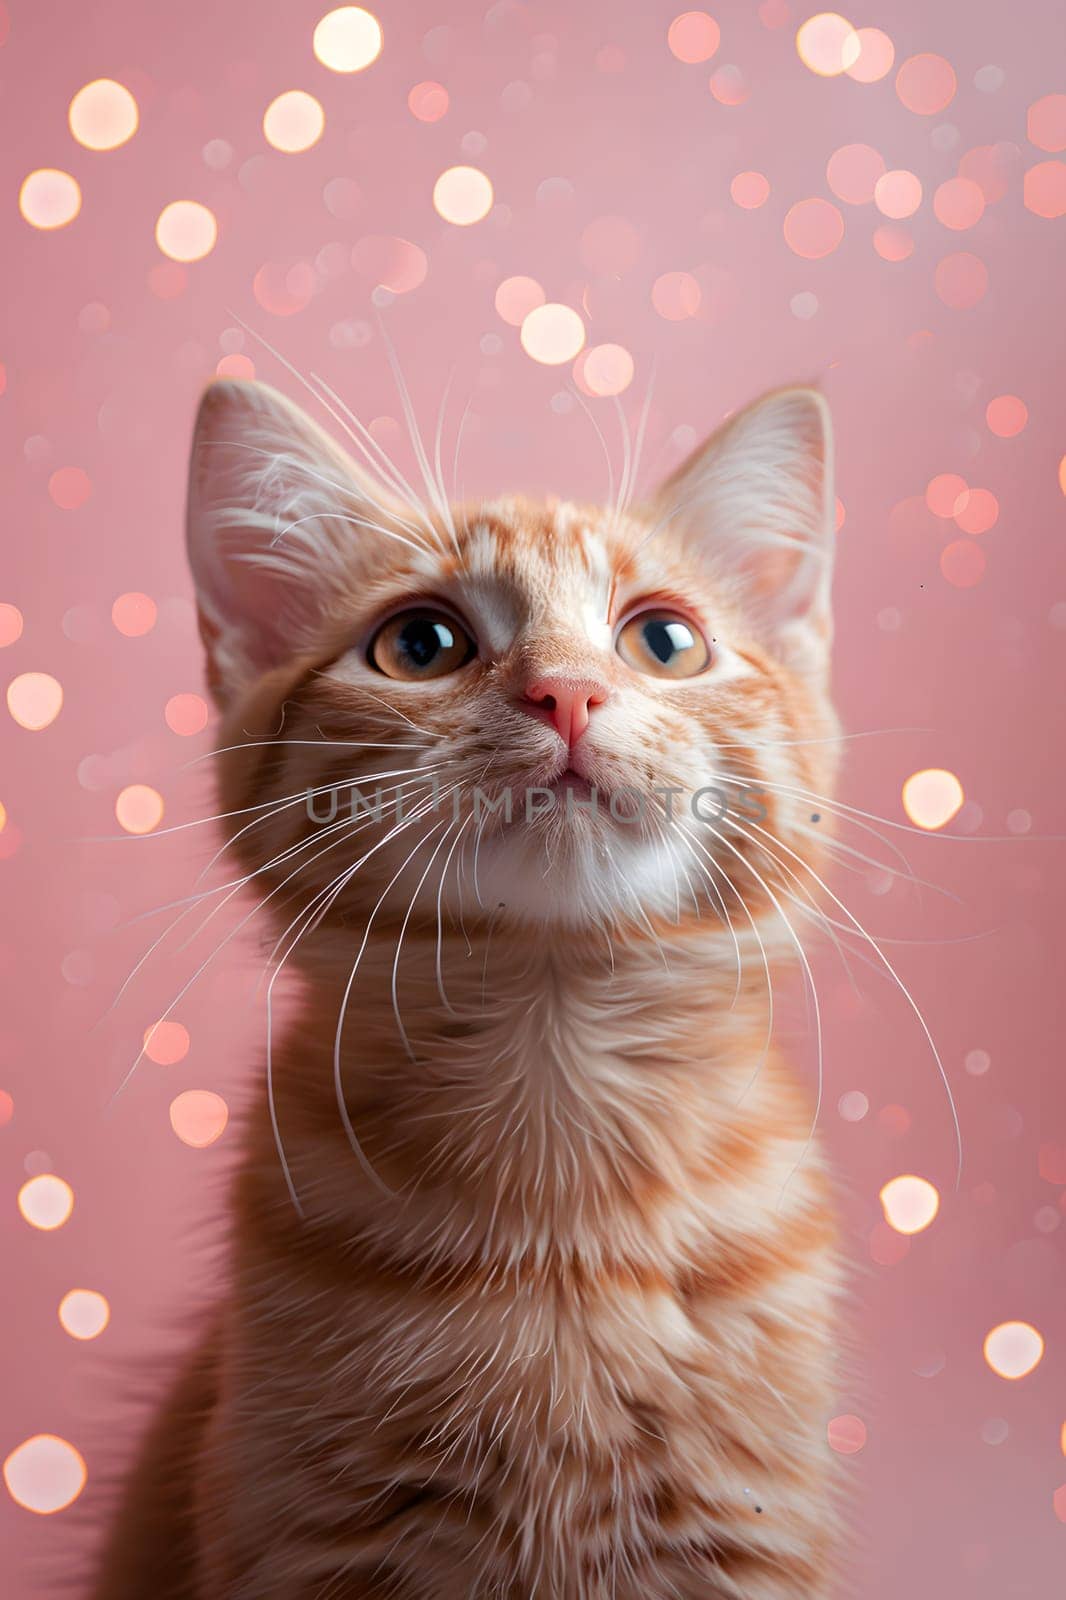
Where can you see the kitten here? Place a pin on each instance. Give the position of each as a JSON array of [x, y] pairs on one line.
[[533, 1262]]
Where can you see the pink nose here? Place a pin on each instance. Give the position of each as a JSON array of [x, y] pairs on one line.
[[565, 703]]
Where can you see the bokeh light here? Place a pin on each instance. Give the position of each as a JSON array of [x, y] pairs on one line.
[[942, 493], [282, 289], [103, 115], [35, 700], [1006, 415], [552, 334], [893, 243], [139, 808], [852, 172], [693, 36], [868, 55], [846, 1434], [293, 122], [1044, 189], [428, 101], [976, 510], [963, 563], [1013, 1349], [961, 280], [45, 1474], [69, 488], [462, 195], [910, 1204], [813, 228], [729, 86], [750, 190], [1046, 123], [166, 1042], [826, 43], [959, 203], [46, 1201], [49, 198], [676, 295], [186, 714], [84, 1313], [898, 193], [347, 40], [853, 1105], [186, 230], [134, 614], [932, 797], [396, 264], [607, 369], [990, 166], [10, 624], [198, 1117], [516, 297], [926, 84]]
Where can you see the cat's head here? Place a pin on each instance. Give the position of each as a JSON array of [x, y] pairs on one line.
[[574, 713]]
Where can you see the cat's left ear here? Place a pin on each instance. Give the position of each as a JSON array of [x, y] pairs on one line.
[[756, 505]]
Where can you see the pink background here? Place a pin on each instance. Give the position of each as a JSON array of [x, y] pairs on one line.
[[973, 675]]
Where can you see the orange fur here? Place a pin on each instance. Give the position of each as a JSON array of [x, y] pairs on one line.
[[539, 1300]]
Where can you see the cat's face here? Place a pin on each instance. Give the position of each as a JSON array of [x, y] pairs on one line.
[[563, 714]]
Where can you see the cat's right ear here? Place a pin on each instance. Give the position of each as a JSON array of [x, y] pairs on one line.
[[278, 517]]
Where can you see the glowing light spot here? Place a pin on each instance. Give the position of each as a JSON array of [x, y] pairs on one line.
[[976, 510], [45, 1474], [963, 563], [186, 230], [139, 808], [236, 366], [49, 198], [552, 334], [186, 714], [893, 244], [396, 264], [943, 493], [898, 194], [517, 297], [729, 86], [1062, 474], [693, 37], [1044, 189], [293, 122], [959, 203], [932, 797], [7, 1108], [84, 1313], [1051, 1163], [910, 1204], [926, 84], [853, 1105], [1062, 1445], [868, 55], [10, 624], [284, 290], [69, 488], [1013, 1349], [607, 369], [961, 280], [1006, 415], [35, 700], [347, 40], [846, 1434], [609, 245], [428, 101], [990, 166], [46, 1201], [134, 614], [813, 229], [1058, 1501], [1046, 122], [166, 1043], [852, 171], [103, 115], [462, 195], [676, 295], [826, 43], [198, 1117], [750, 190]]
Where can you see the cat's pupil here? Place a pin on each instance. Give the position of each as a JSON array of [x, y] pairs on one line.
[[422, 639], [667, 639]]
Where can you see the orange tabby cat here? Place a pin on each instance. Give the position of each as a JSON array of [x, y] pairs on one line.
[[533, 1267]]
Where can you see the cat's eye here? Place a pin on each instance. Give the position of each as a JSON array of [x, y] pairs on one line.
[[420, 643], [663, 645]]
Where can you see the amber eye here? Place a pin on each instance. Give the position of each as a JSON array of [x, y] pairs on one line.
[[663, 645], [420, 644]]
